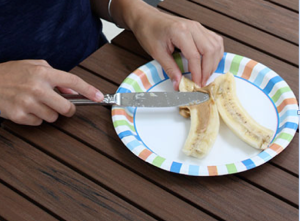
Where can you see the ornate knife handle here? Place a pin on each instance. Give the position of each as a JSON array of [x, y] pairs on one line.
[[79, 100]]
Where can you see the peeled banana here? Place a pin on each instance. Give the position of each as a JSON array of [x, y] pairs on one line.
[[236, 117], [205, 120]]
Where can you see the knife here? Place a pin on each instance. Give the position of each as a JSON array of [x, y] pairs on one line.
[[143, 99]]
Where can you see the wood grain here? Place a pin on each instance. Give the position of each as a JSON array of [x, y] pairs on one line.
[[290, 4], [15, 207], [234, 29], [58, 188], [204, 192], [261, 14], [113, 176]]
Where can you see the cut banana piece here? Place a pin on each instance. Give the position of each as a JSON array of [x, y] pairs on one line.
[[236, 117], [205, 121]]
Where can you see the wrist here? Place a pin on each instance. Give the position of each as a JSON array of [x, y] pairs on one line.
[[130, 14]]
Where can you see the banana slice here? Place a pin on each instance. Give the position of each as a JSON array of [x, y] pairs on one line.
[[236, 117], [205, 121]]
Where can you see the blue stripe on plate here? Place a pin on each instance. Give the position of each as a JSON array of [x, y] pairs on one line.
[[165, 74], [288, 113], [123, 90], [154, 73], [175, 167], [265, 156], [271, 84], [133, 144], [289, 125], [259, 78], [221, 66], [194, 170], [249, 164], [128, 133]]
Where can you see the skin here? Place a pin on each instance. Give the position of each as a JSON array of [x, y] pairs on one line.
[[27, 87]]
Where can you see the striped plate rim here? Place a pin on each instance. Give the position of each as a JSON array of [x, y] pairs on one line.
[[150, 74]]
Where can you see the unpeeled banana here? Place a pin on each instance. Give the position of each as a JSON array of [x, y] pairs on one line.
[[205, 118]]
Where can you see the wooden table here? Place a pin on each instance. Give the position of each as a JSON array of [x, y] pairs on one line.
[[78, 168]]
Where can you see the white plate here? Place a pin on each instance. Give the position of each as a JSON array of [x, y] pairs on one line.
[[157, 135]]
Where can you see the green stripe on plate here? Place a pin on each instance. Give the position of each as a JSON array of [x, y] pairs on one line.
[[123, 123], [285, 136], [134, 84], [231, 168], [278, 93], [158, 161], [178, 61], [235, 64]]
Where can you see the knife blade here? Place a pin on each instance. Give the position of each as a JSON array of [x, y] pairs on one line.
[[144, 99]]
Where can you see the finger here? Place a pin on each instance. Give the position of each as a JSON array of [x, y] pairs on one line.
[[57, 103], [192, 54], [68, 80], [169, 65], [44, 112], [64, 90], [26, 119]]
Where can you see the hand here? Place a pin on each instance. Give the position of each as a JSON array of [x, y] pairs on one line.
[[27, 95], [160, 33]]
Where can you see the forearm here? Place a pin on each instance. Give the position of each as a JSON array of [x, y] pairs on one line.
[[126, 13]]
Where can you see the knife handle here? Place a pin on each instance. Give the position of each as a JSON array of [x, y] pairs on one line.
[[80, 100]]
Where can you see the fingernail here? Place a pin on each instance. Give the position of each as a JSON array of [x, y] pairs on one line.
[[99, 96]]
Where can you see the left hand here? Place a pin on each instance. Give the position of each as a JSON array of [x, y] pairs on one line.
[[160, 33]]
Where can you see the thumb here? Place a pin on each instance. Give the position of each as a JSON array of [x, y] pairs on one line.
[[171, 68]]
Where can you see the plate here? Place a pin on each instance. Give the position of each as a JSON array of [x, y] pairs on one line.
[[157, 135]]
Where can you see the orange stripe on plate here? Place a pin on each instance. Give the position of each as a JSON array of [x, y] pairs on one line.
[[212, 170], [145, 154], [248, 69], [122, 112], [143, 78], [286, 102], [277, 148]]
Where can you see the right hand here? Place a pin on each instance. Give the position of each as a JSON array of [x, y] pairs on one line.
[[27, 93]]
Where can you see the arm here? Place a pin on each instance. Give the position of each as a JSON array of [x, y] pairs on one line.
[[160, 33]]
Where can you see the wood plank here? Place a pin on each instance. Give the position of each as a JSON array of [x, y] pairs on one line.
[[235, 29], [288, 72], [58, 188], [15, 207], [290, 4], [276, 181], [258, 13], [113, 176], [106, 60], [205, 192]]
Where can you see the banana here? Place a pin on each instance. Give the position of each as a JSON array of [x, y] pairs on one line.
[[236, 117], [205, 121]]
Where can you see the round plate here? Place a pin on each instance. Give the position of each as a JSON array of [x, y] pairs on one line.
[[157, 135]]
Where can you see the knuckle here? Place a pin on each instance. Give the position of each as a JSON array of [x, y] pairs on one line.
[[43, 62], [180, 26], [40, 70], [37, 91], [18, 117]]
